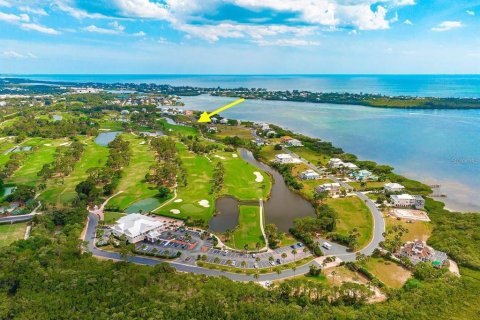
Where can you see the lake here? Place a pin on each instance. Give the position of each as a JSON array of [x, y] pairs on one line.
[[433, 146], [105, 138]]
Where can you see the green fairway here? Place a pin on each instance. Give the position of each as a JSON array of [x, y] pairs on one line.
[[133, 182], [353, 213], [43, 153], [240, 178], [59, 192], [248, 231], [199, 173], [178, 129], [11, 232]]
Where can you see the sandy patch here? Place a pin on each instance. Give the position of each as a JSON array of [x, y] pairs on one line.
[[175, 211], [178, 200], [47, 144], [143, 142], [220, 157], [64, 144], [103, 129], [204, 203], [259, 177], [235, 155]]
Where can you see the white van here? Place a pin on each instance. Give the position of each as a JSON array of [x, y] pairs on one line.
[[327, 245]]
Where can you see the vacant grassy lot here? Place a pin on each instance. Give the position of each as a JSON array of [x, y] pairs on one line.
[[61, 192], [416, 230], [310, 155], [231, 131], [353, 213], [11, 232], [368, 186], [388, 272], [248, 231], [267, 153], [133, 182], [239, 179], [199, 174]]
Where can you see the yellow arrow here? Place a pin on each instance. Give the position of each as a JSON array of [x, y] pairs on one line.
[[205, 117]]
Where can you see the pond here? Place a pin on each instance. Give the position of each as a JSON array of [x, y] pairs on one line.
[[105, 138], [281, 208], [144, 205]]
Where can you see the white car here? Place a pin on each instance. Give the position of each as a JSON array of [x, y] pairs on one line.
[[326, 245]]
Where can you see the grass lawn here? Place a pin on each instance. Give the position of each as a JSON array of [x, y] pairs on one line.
[[353, 213], [43, 153], [388, 272], [369, 185], [112, 217], [133, 182], [239, 178], [11, 232], [268, 153], [338, 275], [420, 230], [248, 231], [60, 193], [5, 144], [199, 173], [231, 131], [178, 129], [310, 155]]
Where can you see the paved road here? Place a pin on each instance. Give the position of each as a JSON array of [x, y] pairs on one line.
[[15, 219], [378, 226], [90, 236]]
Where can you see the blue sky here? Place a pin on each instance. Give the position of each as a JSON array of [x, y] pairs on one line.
[[239, 36]]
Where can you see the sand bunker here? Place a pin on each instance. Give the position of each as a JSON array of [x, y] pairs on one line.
[[47, 144], [175, 211], [178, 200], [143, 142], [259, 177], [220, 157], [64, 144], [204, 203], [235, 155]]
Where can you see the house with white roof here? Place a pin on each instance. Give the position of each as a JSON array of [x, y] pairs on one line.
[[406, 200], [135, 227], [284, 158], [393, 187], [335, 163], [350, 166], [293, 143], [333, 187], [309, 175]]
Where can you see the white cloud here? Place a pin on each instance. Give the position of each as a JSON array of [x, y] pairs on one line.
[[408, 22], [95, 29], [4, 3], [68, 6], [39, 28], [470, 12], [37, 11], [17, 55], [144, 9], [139, 34], [287, 42], [13, 18], [447, 25]]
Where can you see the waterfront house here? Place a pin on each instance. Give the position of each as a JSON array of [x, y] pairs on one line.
[[335, 163], [350, 166], [271, 134], [284, 158], [393, 187], [333, 187], [259, 141], [135, 227], [363, 175], [418, 251], [309, 175], [406, 201], [224, 121], [294, 143]]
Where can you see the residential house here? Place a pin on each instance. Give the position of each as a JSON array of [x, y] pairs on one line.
[[406, 201], [335, 163], [309, 175], [333, 187], [294, 143], [224, 121], [135, 227], [418, 251], [270, 134], [350, 166], [363, 175], [284, 158], [393, 187]]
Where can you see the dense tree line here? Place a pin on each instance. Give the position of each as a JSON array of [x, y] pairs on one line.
[[164, 171], [65, 159], [13, 163], [217, 177]]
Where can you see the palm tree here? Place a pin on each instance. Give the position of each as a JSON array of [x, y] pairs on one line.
[[270, 259], [278, 271], [258, 245], [333, 273], [216, 260], [305, 250], [255, 275], [243, 264], [245, 247], [284, 256], [294, 252], [229, 262], [294, 268]]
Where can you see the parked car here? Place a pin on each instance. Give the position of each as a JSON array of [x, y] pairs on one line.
[[255, 265], [278, 261], [327, 245], [300, 244]]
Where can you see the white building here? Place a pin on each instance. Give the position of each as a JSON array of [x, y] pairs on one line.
[[407, 200], [284, 158], [135, 227], [335, 163], [330, 187], [393, 187], [294, 143], [309, 175], [224, 121], [350, 166]]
